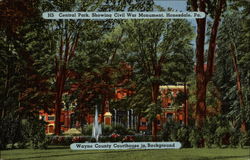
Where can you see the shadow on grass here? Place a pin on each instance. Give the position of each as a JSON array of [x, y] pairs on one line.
[[72, 154], [215, 158], [58, 147], [78, 153]]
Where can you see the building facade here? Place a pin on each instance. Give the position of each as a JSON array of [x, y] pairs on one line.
[[171, 111]]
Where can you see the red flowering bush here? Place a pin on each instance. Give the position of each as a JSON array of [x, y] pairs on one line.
[[128, 139], [61, 140], [115, 137], [54, 140], [78, 139]]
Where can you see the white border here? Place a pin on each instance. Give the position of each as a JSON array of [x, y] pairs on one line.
[[123, 15]]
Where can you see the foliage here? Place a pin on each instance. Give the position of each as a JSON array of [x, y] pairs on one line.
[[66, 140], [107, 130], [174, 131], [152, 110], [121, 129], [154, 52], [87, 130], [245, 139], [221, 135], [10, 132], [234, 43], [147, 49], [209, 131], [21, 133], [195, 138], [234, 139], [183, 136], [170, 130], [34, 132], [115, 137]]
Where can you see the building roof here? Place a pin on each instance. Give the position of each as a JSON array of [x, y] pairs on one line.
[[172, 87], [108, 114]]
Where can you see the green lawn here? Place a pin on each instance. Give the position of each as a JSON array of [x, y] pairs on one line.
[[62, 153]]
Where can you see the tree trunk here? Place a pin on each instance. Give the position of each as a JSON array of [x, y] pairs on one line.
[[103, 110], [204, 76], [154, 130], [238, 80], [104, 107], [185, 109], [58, 114], [155, 93], [66, 52], [60, 81], [200, 104], [6, 89], [138, 122], [200, 73], [236, 70]]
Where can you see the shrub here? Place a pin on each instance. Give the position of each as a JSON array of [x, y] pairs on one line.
[[87, 130], [104, 139], [128, 139], [120, 129], [93, 140], [234, 137], [244, 139], [115, 137], [222, 136], [34, 130], [20, 145], [169, 132], [182, 136], [208, 131], [107, 130], [54, 140], [195, 138], [78, 139], [130, 132], [68, 140], [11, 133], [21, 133], [143, 138]]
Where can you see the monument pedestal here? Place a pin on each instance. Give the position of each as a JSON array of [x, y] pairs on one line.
[[107, 118]]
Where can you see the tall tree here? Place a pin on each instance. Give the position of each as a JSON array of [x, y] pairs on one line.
[[232, 75], [204, 74], [152, 43], [23, 90], [69, 33], [103, 70], [22, 38]]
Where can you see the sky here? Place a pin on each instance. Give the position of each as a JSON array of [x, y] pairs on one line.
[[179, 5]]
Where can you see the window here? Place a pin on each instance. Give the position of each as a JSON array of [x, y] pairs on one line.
[[170, 116], [158, 122], [50, 129], [181, 122], [42, 118], [51, 118]]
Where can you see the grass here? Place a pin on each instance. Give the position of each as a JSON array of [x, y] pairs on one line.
[[63, 153]]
